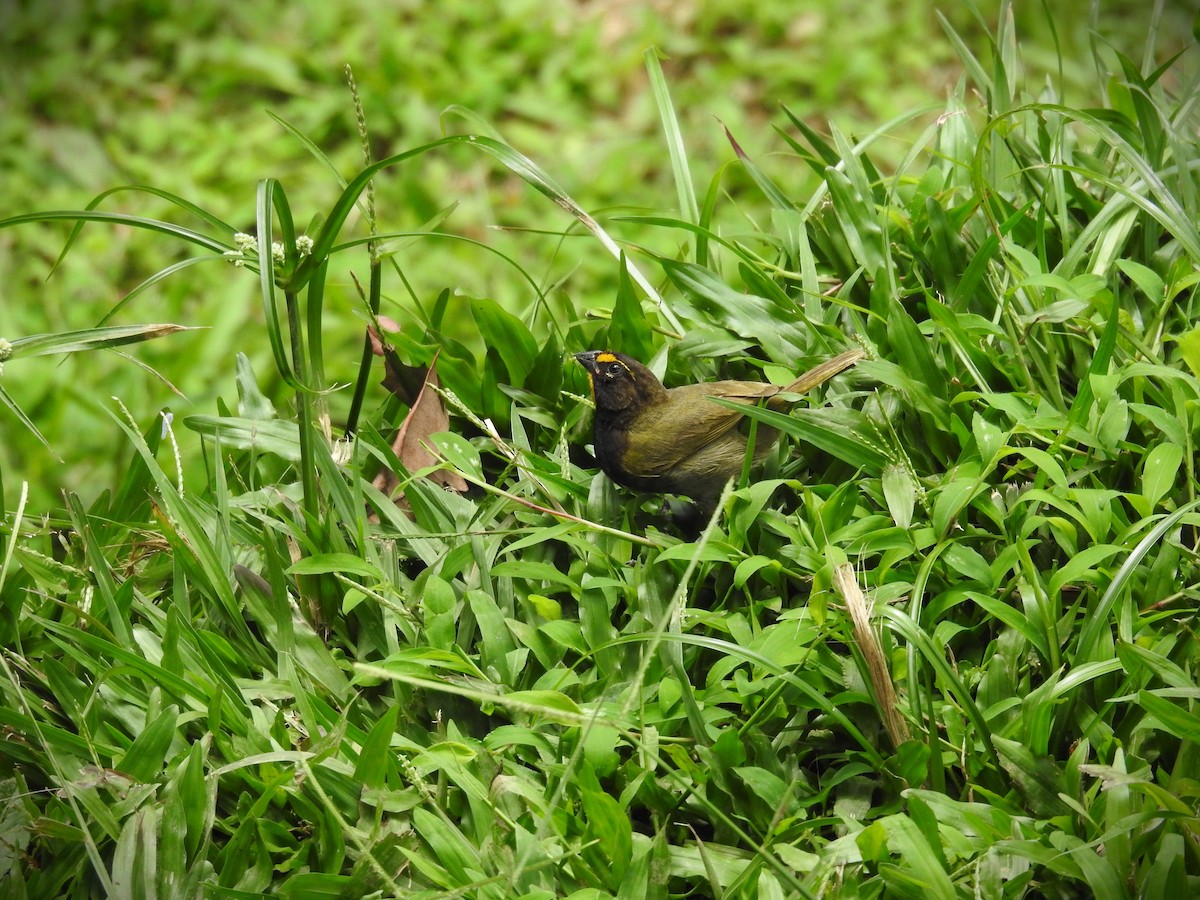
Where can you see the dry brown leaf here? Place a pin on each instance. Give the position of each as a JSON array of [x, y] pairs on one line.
[[403, 381], [426, 417]]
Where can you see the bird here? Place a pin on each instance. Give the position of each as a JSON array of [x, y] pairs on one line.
[[676, 440]]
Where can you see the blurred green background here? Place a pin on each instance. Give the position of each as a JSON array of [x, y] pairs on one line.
[[98, 95]]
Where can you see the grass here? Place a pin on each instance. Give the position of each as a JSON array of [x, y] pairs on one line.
[[944, 645]]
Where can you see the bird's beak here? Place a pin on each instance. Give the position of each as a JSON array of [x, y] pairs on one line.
[[587, 360]]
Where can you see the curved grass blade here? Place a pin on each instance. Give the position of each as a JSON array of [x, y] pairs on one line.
[[515, 162], [675, 147], [92, 339], [903, 624], [1098, 618], [153, 280], [161, 227], [183, 204]]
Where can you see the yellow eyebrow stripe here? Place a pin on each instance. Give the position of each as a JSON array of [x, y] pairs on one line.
[[607, 356]]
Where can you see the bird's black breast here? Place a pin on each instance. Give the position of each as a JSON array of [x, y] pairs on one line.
[[611, 442]]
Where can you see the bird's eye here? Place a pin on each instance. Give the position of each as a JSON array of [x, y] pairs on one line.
[[615, 369]]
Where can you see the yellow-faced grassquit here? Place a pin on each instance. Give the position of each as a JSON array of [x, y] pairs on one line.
[[678, 441]]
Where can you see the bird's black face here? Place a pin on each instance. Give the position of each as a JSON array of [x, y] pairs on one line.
[[618, 382]]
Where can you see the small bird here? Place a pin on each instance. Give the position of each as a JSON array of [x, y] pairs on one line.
[[677, 441]]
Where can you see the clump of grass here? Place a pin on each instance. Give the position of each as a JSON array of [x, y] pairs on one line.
[[277, 680]]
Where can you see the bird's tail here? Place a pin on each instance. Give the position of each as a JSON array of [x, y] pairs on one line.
[[822, 373]]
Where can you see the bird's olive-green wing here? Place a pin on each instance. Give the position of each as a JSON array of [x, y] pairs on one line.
[[687, 423]]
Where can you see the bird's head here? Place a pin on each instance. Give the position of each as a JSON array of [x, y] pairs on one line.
[[619, 382]]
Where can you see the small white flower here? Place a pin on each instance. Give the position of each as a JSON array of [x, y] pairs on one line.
[[277, 252], [304, 245], [235, 257], [245, 242], [5, 349]]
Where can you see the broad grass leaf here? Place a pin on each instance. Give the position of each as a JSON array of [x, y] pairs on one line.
[[1141, 660], [1160, 471], [1171, 718], [765, 785], [1168, 872], [171, 862], [900, 494], [534, 572], [322, 563], [1057, 312], [252, 402], [710, 552], [909, 348], [276, 436], [375, 758], [495, 640], [546, 607], [1037, 777], [1095, 870], [629, 328], [607, 824], [1046, 464], [859, 220], [1113, 426], [911, 762], [989, 440], [1014, 619], [507, 337], [968, 562], [554, 705], [600, 749], [1147, 280], [1081, 567], [440, 606], [837, 431], [460, 453], [751, 566], [198, 797], [144, 759], [134, 860], [1189, 347], [963, 487], [1085, 398], [746, 315], [450, 848], [899, 835], [565, 634], [546, 376], [315, 886], [537, 642], [945, 252]]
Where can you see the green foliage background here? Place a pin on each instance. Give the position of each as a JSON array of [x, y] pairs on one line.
[[945, 645]]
